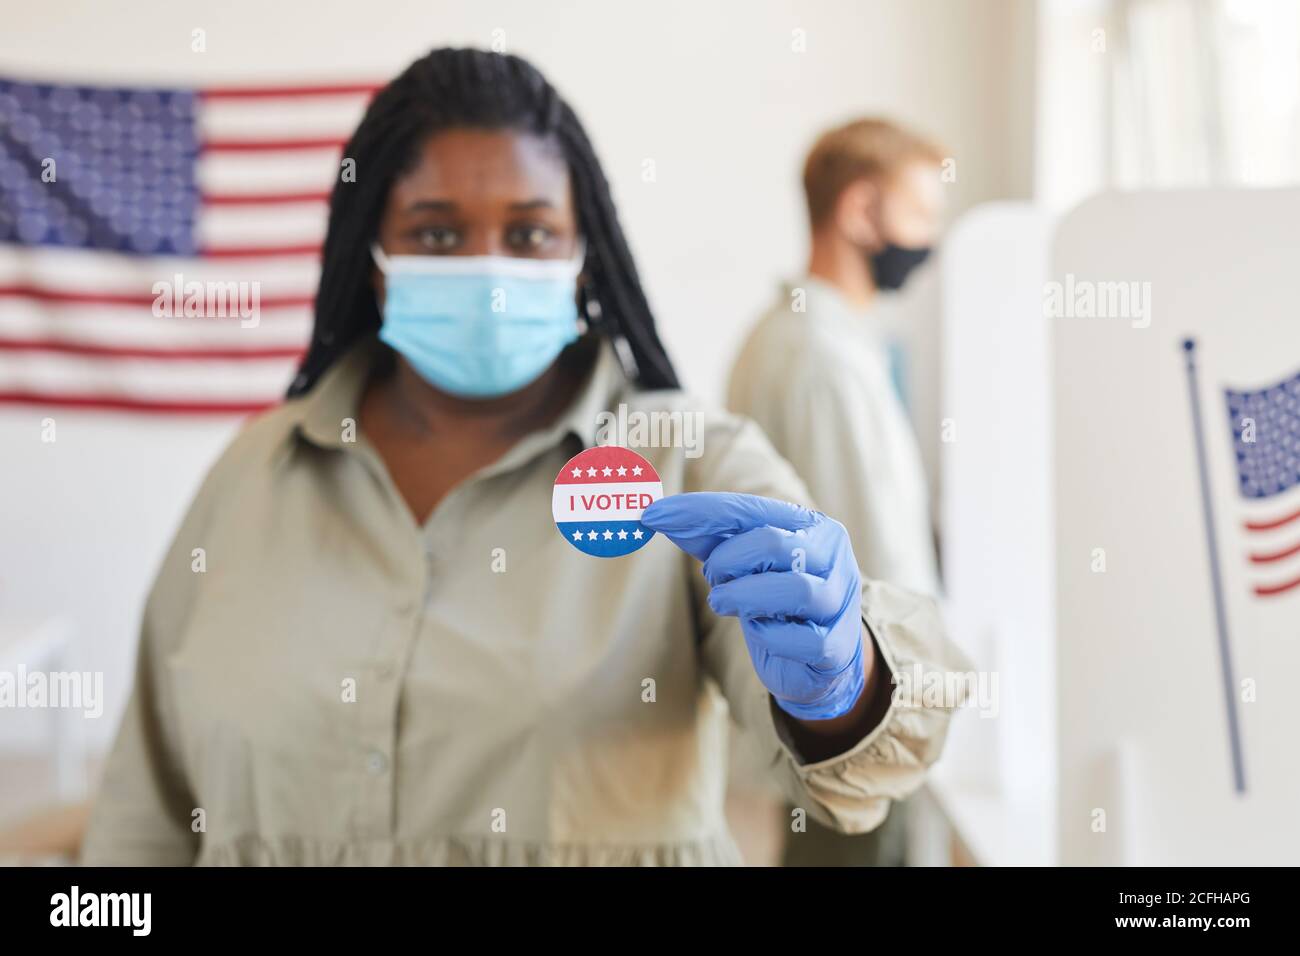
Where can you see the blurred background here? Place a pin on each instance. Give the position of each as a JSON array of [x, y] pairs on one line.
[[702, 114]]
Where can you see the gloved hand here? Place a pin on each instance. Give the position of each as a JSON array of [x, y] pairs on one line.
[[790, 576]]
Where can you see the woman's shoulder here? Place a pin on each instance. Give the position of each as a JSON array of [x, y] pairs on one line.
[[249, 458], [697, 445], [261, 439], [230, 483]]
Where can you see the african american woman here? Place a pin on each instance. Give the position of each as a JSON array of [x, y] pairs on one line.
[[390, 656]]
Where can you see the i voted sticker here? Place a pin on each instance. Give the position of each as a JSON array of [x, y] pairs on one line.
[[599, 497]]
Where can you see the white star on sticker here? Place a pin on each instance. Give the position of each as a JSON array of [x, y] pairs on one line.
[[577, 473], [607, 471], [636, 470], [591, 536], [577, 536], [622, 535], [638, 534], [608, 534], [622, 471], [591, 472]]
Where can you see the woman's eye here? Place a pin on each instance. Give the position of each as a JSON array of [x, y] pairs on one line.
[[438, 238], [529, 238]]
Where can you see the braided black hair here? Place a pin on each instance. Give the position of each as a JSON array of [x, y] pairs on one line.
[[475, 88]]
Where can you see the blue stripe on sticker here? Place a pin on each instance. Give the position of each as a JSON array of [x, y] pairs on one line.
[[605, 539]]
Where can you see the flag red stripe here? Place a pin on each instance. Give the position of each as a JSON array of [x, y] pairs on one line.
[[262, 199], [1276, 555], [270, 145], [260, 252], [1270, 590], [272, 92], [143, 352], [1270, 525], [120, 403], [69, 297]]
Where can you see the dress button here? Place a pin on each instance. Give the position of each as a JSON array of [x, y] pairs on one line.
[[376, 762]]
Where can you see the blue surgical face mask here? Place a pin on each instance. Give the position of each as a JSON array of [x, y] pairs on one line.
[[479, 326]]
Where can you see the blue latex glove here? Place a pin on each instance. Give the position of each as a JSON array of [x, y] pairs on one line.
[[803, 628]]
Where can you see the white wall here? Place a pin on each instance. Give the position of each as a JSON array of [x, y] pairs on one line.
[[713, 93], [84, 522], [1073, 120]]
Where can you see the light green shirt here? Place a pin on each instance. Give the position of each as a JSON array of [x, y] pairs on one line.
[[342, 686], [815, 375]]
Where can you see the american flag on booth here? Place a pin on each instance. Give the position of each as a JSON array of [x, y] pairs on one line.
[[1266, 438], [160, 248]]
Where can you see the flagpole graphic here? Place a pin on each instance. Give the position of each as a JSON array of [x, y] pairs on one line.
[[1221, 618]]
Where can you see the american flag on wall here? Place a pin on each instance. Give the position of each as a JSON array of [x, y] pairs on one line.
[[1266, 438], [160, 248]]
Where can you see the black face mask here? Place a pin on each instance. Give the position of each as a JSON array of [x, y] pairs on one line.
[[891, 266]]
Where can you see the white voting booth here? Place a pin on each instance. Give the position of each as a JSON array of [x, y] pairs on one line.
[[1121, 523]]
